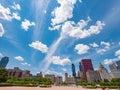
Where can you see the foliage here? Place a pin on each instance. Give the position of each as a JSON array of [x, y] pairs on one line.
[[82, 82], [3, 75], [29, 81]]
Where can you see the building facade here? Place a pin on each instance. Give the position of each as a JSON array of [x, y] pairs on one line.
[[50, 76], [103, 73], [93, 76], [16, 72], [40, 75], [58, 80], [4, 61], [113, 67], [73, 70], [118, 65], [86, 65]]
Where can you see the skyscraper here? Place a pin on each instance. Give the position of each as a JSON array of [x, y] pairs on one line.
[[86, 65], [103, 72], [73, 70], [118, 65], [4, 62], [80, 67], [113, 67]]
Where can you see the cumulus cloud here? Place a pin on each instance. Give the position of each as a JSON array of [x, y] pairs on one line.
[[62, 12], [39, 46], [1, 30], [106, 46], [59, 61], [6, 14], [78, 30], [16, 6], [19, 58], [109, 61], [81, 48], [26, 24], [16, 16], [26, 64], [117, 53], [94, 45]]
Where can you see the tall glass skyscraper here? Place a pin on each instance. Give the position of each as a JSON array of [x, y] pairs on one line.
[[73, 70], [80, 66], [4, 61]]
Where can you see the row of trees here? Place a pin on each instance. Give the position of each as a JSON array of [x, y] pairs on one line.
[[35, 81]]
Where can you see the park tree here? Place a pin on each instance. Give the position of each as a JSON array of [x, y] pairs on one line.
[[3, 75]]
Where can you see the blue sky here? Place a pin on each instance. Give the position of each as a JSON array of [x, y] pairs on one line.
[[49, 35]]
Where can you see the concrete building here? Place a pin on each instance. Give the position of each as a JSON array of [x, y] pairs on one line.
[[50, 76], [40, 74], [86, 65], [4, 61], [69, 80], [26, 74], [16, 72], [58, 80], [103, 73], [115, 75], [93, 76], [113, 67]]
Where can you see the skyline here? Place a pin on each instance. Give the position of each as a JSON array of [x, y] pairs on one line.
[[48, 36]]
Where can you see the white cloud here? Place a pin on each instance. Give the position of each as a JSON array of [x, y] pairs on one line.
[[63, 12], [59, 61], [16, 6], [57, 27], [39, 46], [81, 48], [106, 47], [26, 64], [94, 45], [53, 72], [1, 30], [117, 53], [1, 55], [110, 61], [64, 69], [6, 14], [78, 30], [80, 1], [16, 16], [26, 24], [19, 58]]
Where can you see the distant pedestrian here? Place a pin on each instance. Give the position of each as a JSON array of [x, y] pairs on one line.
[[103, 88], [118, 88]]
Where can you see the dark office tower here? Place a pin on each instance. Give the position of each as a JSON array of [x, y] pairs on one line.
[[80, 67], [4, 62], [118, 65], [113, 67], [86, 65], [73, 70]]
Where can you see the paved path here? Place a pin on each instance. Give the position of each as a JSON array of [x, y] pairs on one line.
[[51, 88]]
